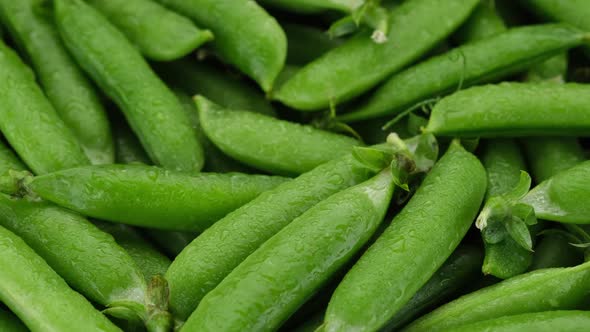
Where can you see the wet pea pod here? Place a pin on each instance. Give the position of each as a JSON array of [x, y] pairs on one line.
[[39, 296], [30, 123], [246, 36], [169, 200], [136, 19], [359, 63], [203, 264], [10, 323], [548, 156], [152, 110], [216, 84], [505, 257], [485, 60], [170, 242], [548, 321], [306, 43], [128, 149], [418, 241], [513, 109], [71, 93], [542, 290], [460, 269], [265, 289], [269, 144]]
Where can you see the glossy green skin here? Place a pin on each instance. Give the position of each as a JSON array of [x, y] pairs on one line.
[[269, 144], [173, 37], [8, 160], [74, 247], [563, 197], [483, 23], [215, 253], [10, 323], [152, 110], [30, 123], [549, 321], [269, 286], [480, 61], [246, 36], [128, 149], [543, 290], [169, 200], [64, 84], [462, 267], [548, 156], [306, 43], [574, 12], [172, 243], [503, 161], [514, 109], [359, 64], [314, 6], [39, 296], [149, 260], [410, 251], [220, 86], [554, 250]]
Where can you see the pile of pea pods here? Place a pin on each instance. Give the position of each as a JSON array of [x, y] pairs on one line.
[[294, 165]]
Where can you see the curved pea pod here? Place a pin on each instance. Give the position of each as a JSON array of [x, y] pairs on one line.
[[153, 111], [70, 92], [30, 123], [418, 241], [563, 197], [149, 260], [216, 84], [246, 36], [269, 286], [548, 321], [269, 144], [306, 43], [10, 323], [171, 242], [542, 290], [514, 109], [359, 64], [173, 37], [484, 22], [169, 200], [462, 268], [39, 296], [548, 156], [480, 61]]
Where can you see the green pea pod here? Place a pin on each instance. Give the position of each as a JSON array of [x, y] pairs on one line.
[[70, 92], [480, 61], [39, 296], [563, 197], [30, 123], [172, 243], [306, 43], [217, 85], [149, 260], [548, 321], [461, 268], [554, 250], [359, 64], [9, 161], [543, 290], [173, 37], [152, 110], [548, 156], [552, 70], [573, 12], [483, 23], [270, 144], [128, 149], [169, 200], [307, 6], [246, 36], [514, 109], [10, 323], [421, 237], [265, 289]]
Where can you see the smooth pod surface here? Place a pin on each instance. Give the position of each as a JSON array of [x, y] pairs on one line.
[[65, 85], [418, 241], [269, 144], [574, 12], [222, 247], [153, 111], [359, 64], [169, 200], [269, 286], [548, 156], [548, 321], [514, 109], [40, 297]]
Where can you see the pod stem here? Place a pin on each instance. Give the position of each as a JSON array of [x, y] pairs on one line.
[[158, 318]]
